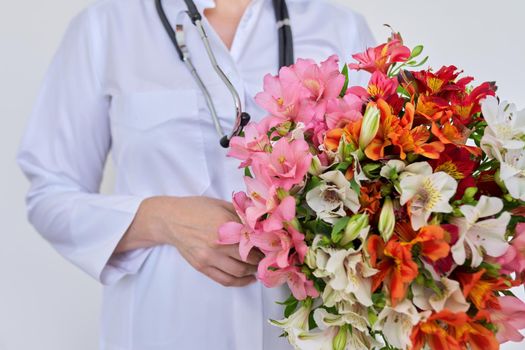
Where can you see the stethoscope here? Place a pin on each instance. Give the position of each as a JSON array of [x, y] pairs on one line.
[[177, 36]]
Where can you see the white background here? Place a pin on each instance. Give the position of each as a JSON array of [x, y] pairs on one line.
[[45, 303]]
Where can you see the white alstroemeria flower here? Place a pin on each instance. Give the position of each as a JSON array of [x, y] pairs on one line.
[[315, 340], [427, 192], [478, 236], [505, 127], [346, 274], [392, 169], [396, 323], [298, 320], [451, 297], [354, 314], [332, 196], [512, 173], [329, 326], [395, 170]]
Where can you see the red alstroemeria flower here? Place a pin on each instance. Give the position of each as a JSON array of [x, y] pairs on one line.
[[458, 163], [396, 266], [380, 58], [443, 82], [466, 105], [486, 184]]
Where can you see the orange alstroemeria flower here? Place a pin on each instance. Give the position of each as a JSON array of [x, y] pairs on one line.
[[433, 333], [396, 268], [415, 139], [480, 290], [349, 134], [473, 335], [446, 330], [399, 133], [387, 134], [370, 198], [449, 133], [430, 238]]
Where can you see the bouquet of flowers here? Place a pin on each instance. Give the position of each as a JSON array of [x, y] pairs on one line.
[[395, 213]]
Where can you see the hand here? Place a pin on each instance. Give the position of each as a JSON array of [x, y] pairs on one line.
[[191, 225]]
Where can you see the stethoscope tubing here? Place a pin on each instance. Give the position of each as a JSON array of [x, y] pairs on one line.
[[177, 37]]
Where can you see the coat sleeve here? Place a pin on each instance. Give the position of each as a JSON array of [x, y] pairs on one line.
[[63, 153]]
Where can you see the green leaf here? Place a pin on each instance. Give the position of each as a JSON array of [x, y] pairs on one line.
[[313, 183], [416, 51], [421, 63], [355, 186], [289, 309], [347, 80], [247, 172], [291, 299], [338, 228], [343, 166]]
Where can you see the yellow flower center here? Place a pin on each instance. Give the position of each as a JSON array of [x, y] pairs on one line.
[[434, 84], [429, 195], [451, 169], [282, 159], [504, 131], [280, 101], [374, 90]]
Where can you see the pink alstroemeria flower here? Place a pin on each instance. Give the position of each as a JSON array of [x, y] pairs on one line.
[[283, 97], [286, 165], [283, 213], [236, 233], [380, 58], [509, 319], [300, 286], [255, 141], [239, 233], [341, 111], [274, 244], [323, 81], [264, 199], [298, 242], [514, 259]]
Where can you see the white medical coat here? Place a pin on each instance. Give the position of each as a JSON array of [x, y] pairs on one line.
[[116, 83]]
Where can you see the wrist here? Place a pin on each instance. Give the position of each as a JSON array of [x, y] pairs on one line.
[[152, 220]]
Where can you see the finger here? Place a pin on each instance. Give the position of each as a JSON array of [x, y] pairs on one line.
[[255, 257], [236, 268], [226, 279], [233, 252]]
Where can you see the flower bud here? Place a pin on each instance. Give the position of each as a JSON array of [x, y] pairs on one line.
[[340, 340], [372, 170], [310, 259], [387, 220], [284, 128], [355, 226], [370, 126], [316, 168]]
